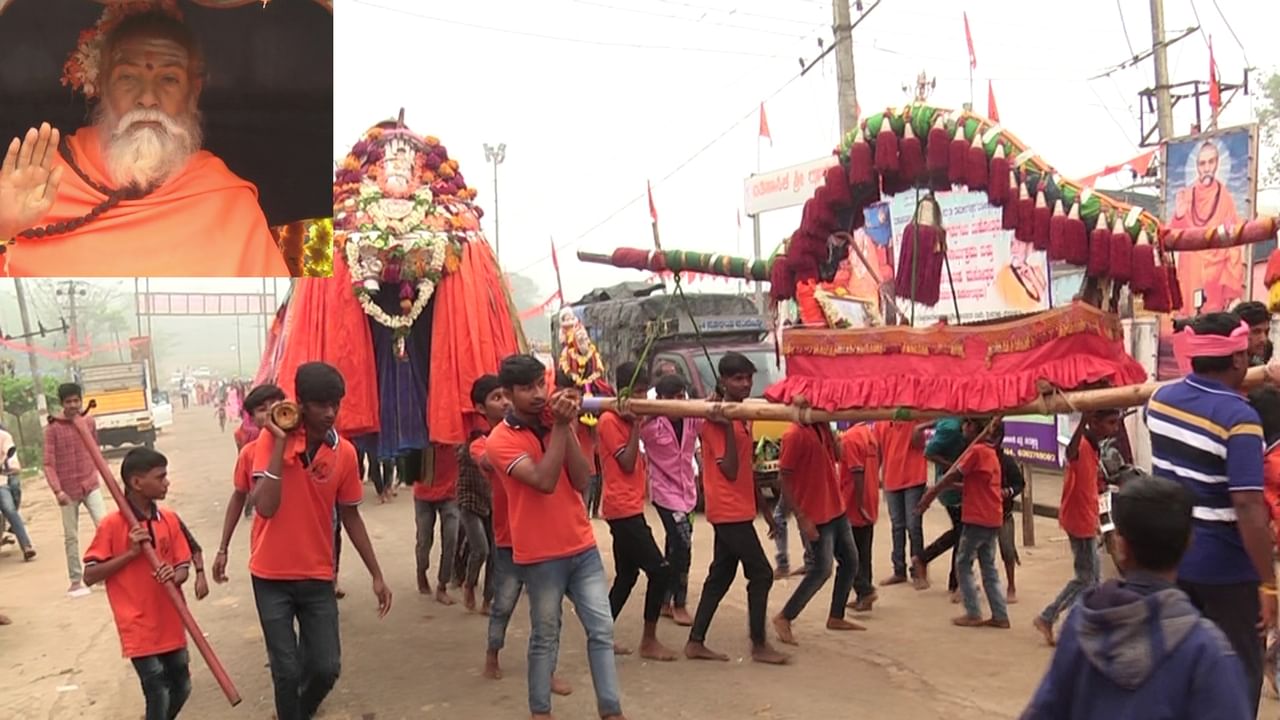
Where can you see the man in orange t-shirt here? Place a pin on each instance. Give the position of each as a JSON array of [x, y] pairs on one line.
[[810, 468], [258, 402], [732, 501], [981, 516], [434, 497], [622, 467], [300, 476], [1078, 512], [906, 473], [544, 471], [860, 466]]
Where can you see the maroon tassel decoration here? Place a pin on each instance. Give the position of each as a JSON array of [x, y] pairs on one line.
[[1144, 266], [1075, 238], [1057, 233], [1026, 229], [861, 169], [910, 158], [886, 149], [838, 187], [1120, 266], [1156, 298], [958, 159], [999, 182], [1009, 216], [924, 246], [782, 282], [975, 167], [1041, 222], [938, 157], [1099, 261], [1175, 287]]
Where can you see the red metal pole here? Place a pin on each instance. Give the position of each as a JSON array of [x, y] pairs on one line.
[[206, 651]]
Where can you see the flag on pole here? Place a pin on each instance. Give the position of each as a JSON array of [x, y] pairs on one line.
[[1215, 92], [992, 113], [968, 38], [653, 209], [555, 263], [764, 126]]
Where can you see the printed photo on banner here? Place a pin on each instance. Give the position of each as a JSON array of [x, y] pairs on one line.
[[1211, 182], [993, 275]]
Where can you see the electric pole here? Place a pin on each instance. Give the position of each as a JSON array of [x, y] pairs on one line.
[[847, 95], [42, 405], [1164, 105]]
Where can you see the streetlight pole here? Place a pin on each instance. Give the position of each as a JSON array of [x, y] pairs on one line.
[[496, 155]]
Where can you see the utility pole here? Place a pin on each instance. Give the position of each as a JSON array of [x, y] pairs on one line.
[[496, 155], [1164, 105], [847, 94], [42, 405]]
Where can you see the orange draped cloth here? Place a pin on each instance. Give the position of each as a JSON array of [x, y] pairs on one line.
[[472, 332], [203, 221], [325, 322]]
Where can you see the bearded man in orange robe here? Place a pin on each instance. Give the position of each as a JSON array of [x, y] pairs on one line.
[[133, 195], [1208, 203]]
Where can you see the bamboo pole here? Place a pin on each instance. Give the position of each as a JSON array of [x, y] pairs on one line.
[[171, 589], [1058, 404]]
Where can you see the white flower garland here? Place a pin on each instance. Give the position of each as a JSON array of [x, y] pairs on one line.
[[426, 288]]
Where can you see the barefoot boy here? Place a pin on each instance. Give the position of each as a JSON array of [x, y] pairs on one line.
[[151, 632], [860, 465], [732, 502]]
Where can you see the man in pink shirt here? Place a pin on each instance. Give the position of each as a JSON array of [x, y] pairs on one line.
[[69, 470], [669, 444]]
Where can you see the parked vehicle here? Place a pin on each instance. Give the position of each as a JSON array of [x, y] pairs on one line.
[[161, 410], [123, 407]]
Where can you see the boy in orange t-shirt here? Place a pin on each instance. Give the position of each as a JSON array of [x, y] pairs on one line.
[[981, 516], [258, 403], [543, 472], [860, 472], [732, 502], [622, 467], [1078, 512], [906, 472], [151, 632], [437, 497]]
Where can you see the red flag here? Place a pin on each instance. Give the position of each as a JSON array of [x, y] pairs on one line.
[[968, 38], [1215, 92], [764, 126], [555, 263], [653, 209], [993, 114]]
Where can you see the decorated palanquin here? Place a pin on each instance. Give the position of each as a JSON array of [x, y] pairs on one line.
[[416, 308]]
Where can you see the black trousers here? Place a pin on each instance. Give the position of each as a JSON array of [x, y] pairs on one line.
[[679, 552], [946, 541], [634, 550], [166, 683], [304, 663], [863, 582], [735, 543], [1235, 609]]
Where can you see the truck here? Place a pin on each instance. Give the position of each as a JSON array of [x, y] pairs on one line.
[[122, 403], [622, 319]]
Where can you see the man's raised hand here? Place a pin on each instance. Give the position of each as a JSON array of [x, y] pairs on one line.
[[28, 180]]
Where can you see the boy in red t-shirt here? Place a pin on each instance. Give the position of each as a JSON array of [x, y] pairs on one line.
[[437, 497], [860, 468], [906, 472], [258, 403], [151, 631], [622, 467], [732, 502], [544, 471], [981, 515], [810, 469], [1078, 512]]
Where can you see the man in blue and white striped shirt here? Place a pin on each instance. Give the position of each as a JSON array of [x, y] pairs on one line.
[[1205, 435]]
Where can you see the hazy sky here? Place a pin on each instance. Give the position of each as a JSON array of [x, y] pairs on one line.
[[593, 97]]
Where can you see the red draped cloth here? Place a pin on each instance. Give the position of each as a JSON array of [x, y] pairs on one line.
[[472, 332], [325, 322], [969, 369]]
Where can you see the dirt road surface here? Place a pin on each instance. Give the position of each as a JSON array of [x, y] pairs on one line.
[[61, 657]]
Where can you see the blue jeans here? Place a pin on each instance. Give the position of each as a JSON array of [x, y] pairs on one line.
[[782, 559], [507, 584], [10, 501], [581, 578], [166, 683], [304, 665], [980, 542], [834, 543], [905, 521], [1084, 553]]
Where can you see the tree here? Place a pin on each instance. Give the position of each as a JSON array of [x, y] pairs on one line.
[[1269, 127]]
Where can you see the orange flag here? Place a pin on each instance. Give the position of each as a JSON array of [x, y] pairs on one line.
[[653, 209], [764, 126], [993, 114], [968, 38], [1215, 92]]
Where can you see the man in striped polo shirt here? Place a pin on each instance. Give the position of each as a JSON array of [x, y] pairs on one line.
[[1205, 435]]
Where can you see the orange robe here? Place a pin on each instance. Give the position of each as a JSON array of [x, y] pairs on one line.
[[203, 221], [1219, 273]]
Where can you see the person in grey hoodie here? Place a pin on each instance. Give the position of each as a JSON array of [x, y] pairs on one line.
[[1136, 647]]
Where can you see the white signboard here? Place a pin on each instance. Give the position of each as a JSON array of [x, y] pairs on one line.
[[786, 187]]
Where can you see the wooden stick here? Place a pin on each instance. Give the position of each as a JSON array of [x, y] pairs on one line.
[[1058, 404], [171, 589]]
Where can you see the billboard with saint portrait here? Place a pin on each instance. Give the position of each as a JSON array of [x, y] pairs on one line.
[[1211, 181]]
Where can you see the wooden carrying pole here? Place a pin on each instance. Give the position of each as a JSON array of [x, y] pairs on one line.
[[1062, 403], [206, 651]]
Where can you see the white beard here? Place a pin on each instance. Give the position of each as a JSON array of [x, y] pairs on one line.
[[142, 156]]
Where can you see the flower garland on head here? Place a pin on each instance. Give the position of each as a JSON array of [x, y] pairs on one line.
[[84, 64], [400, 325]]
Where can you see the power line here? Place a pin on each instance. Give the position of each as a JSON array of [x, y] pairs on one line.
[[561, 38], [697, 21], [1125, 28], [733, 11], [1232, 30]]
